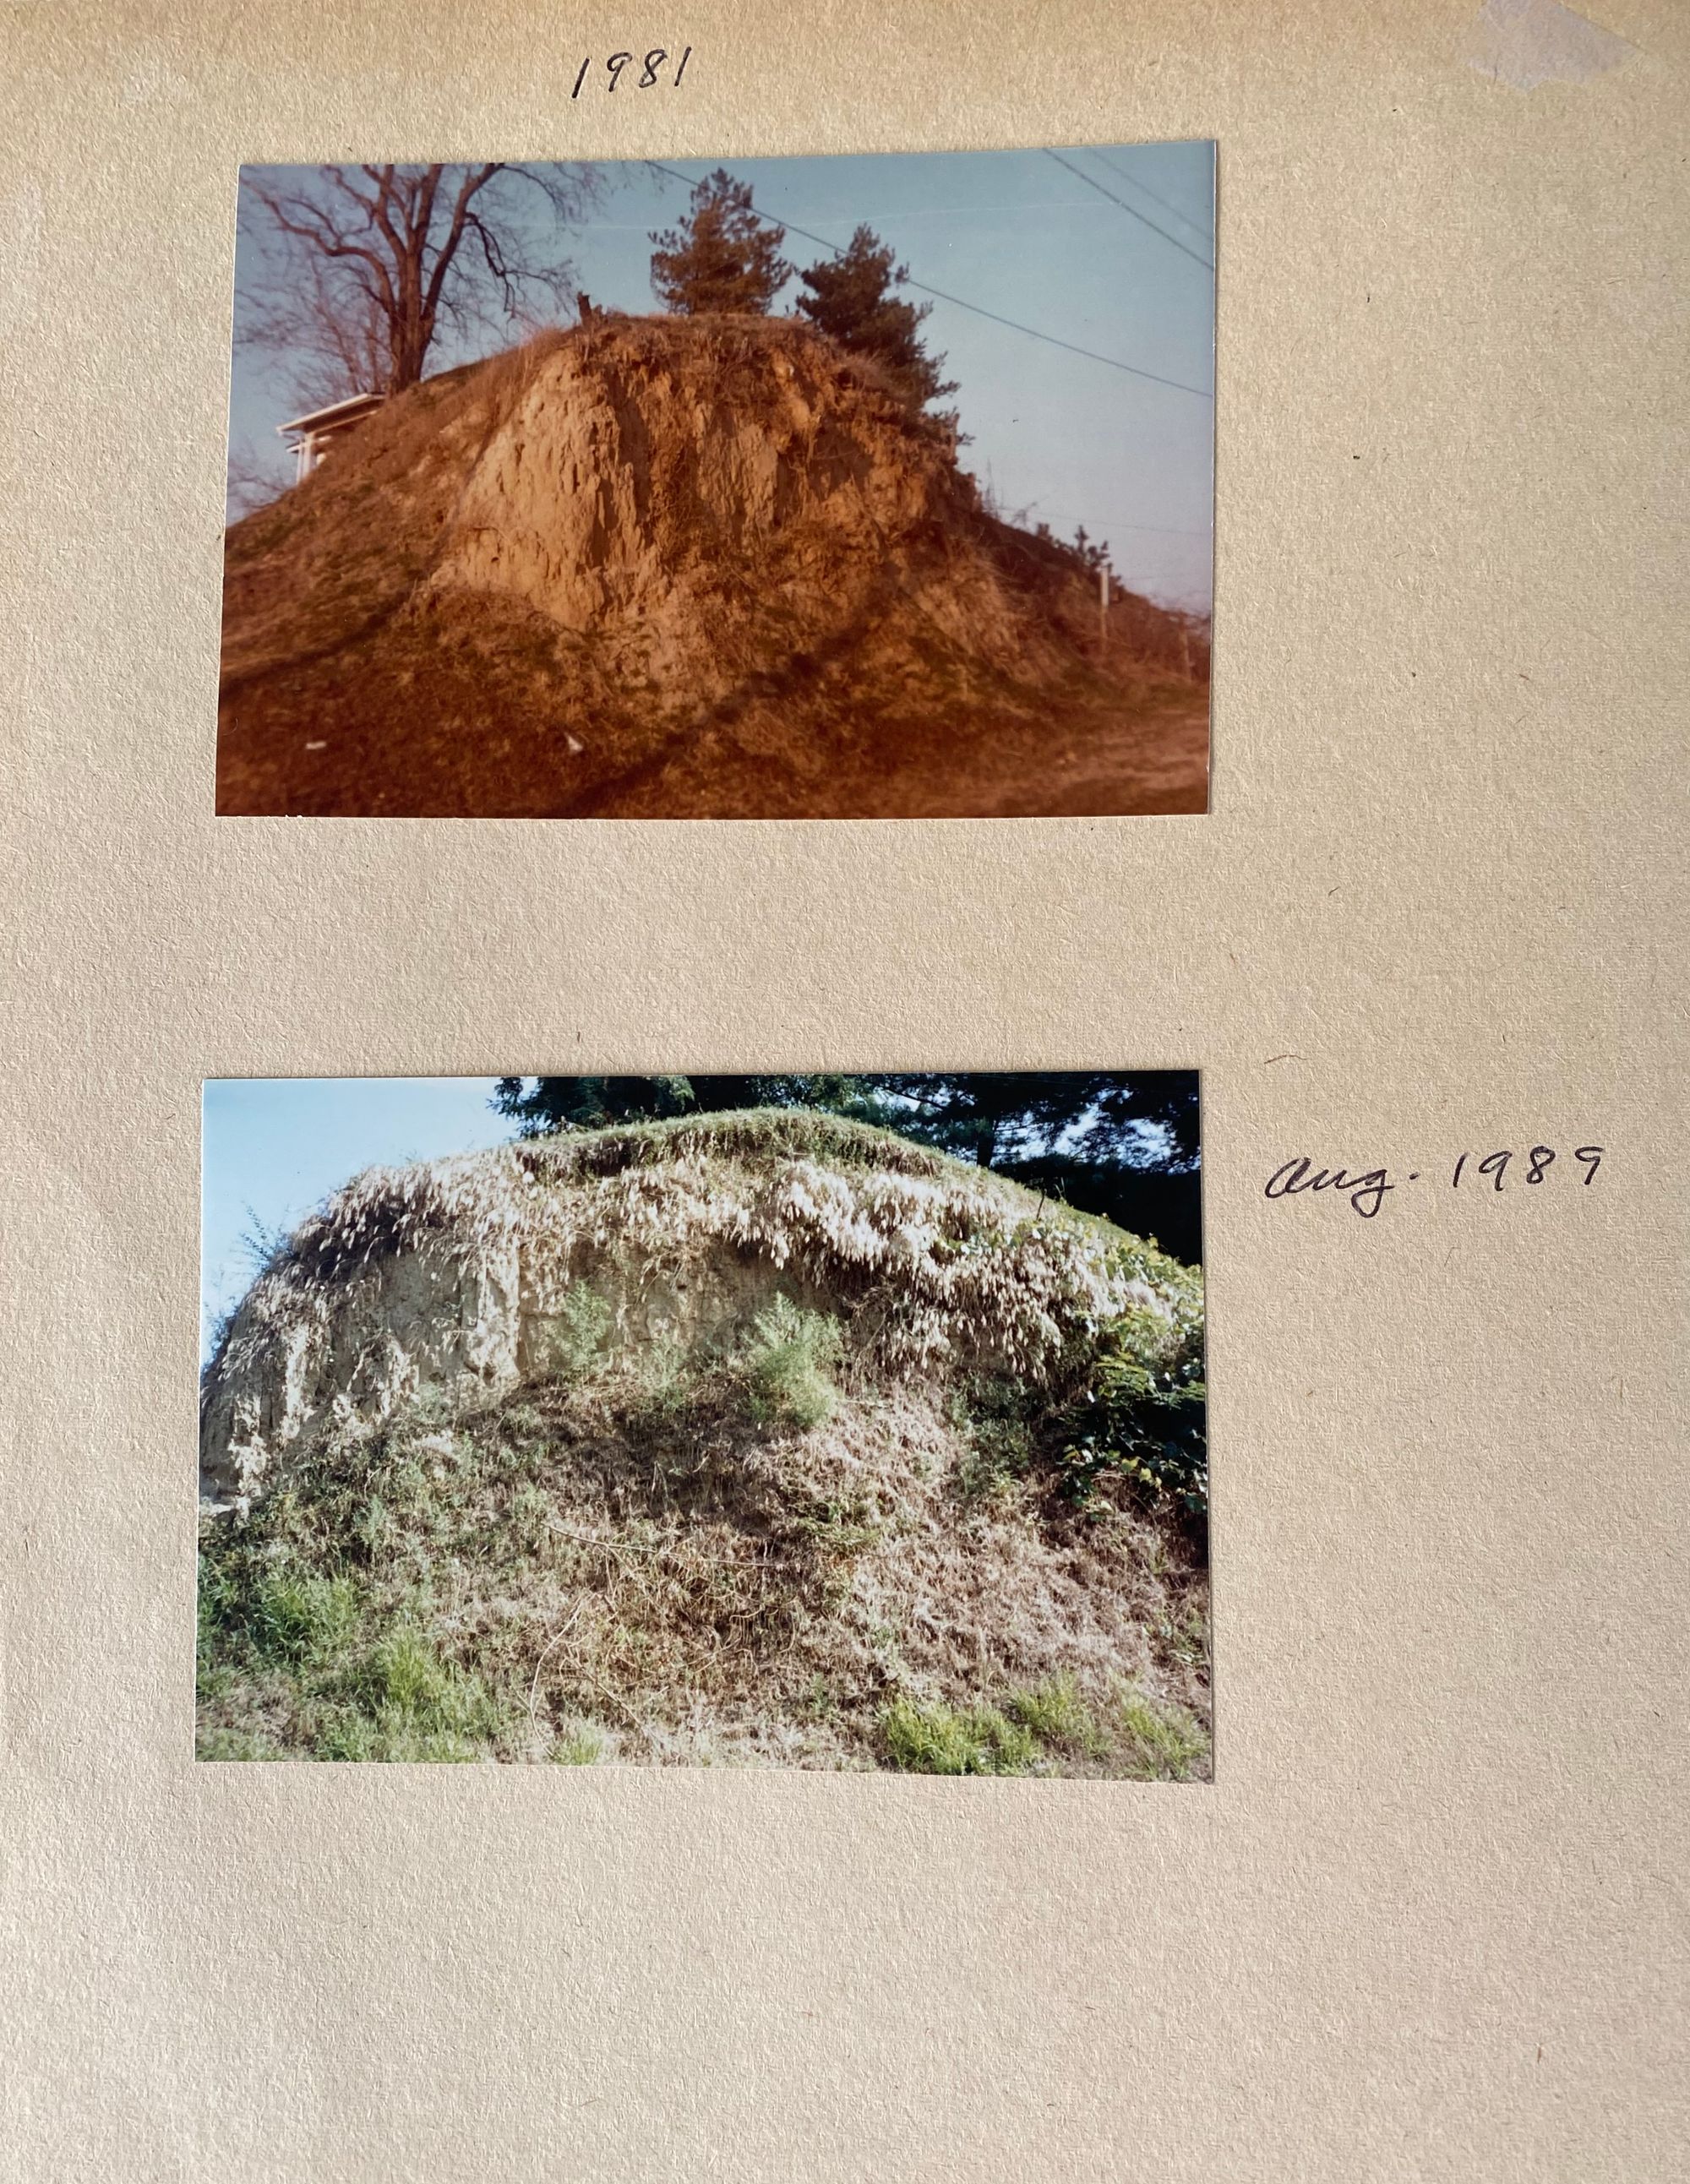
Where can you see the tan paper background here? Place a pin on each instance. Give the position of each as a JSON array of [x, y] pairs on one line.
[[1428, 1922]]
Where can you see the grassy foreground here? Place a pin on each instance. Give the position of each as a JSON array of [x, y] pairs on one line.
[[737, 1564]]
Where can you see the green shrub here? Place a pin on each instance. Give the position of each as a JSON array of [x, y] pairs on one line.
[[374, 1527], [531, 1517], [995, 1415], [665, 1380], [939, 1739], [575, 1341], [788, 1360], [1143, 1419]]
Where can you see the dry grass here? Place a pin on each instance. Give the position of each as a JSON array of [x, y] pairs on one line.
[[823, 1516], [666, 1573], [931, 1264]]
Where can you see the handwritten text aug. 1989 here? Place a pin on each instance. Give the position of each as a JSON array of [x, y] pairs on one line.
[[1366, 1188]]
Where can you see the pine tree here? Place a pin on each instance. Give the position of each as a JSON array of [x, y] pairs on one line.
[[852, 298], [543, 1105], [1123, 1146], [1002, 1119], [590, 1103], [724, 256]]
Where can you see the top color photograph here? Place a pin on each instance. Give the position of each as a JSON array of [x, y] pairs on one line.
[[874, 487]]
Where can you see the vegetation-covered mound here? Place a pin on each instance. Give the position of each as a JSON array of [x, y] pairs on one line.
[[714, 564], [807, 1445]]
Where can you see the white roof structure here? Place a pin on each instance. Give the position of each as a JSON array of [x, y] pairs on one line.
[[318, 427]]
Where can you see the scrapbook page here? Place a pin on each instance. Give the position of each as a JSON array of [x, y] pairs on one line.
[[844, 1307]]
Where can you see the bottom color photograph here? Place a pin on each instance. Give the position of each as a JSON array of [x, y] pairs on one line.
[[848, 1422]]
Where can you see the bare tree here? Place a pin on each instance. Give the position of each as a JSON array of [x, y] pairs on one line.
[[353, 274], [255, 478]]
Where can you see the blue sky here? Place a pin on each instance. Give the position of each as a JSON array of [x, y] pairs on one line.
[[273, 1148], [1064, 437]]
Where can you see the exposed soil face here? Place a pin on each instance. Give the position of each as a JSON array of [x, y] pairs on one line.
[[700, 567], [454, 1278]]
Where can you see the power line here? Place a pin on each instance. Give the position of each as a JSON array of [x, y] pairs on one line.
[[1202, 261], [979, 309], [1164, 530], [1167, 203]]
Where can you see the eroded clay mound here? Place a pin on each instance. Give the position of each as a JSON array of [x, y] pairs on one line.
[[694, 565], [458, 1275], [709, 497]]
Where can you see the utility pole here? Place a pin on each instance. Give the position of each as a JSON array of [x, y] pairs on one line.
[[1103, 609]]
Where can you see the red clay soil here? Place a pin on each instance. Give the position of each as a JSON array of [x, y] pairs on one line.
[[700, 568]]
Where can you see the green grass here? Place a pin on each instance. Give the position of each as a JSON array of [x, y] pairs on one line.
[[397, 1699], [237, 1744], [845, 1524], [402, 1701], [583, 1747], [1131, 1738], [673, 1517], [300, 1619], [937, 1739], [1056, 1714], [1158, 1744], [338, 1669]]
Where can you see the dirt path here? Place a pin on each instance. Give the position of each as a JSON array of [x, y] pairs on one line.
[[1153, 763], [1154, 760], [512, 761]]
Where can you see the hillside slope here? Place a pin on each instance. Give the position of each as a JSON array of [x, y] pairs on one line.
[[761, 1437], [695, 567]]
